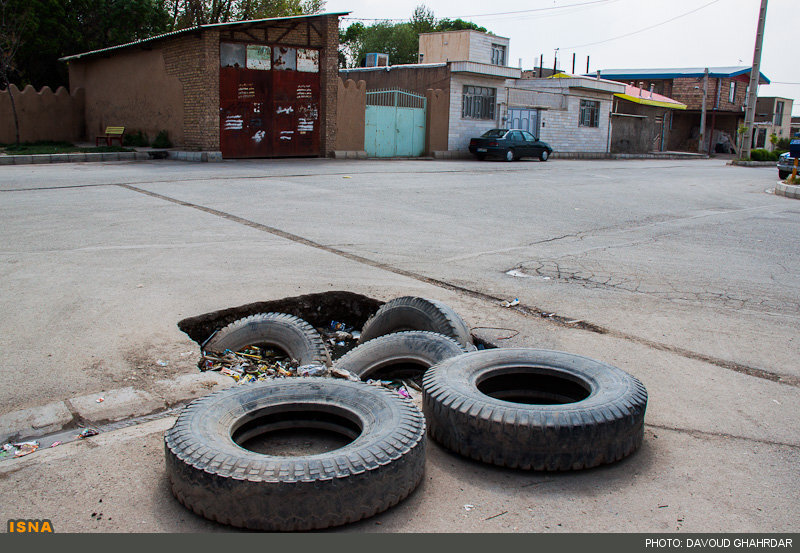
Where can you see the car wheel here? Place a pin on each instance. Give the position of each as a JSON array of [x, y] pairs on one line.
[[544, 155], [510, 155], [480, 157], [534, 409], [212, 472], [783, 174]]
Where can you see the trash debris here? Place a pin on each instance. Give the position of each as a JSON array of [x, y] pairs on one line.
[[344, 373], [162, 363], [100, 399], [312, 370], [395, 385], [511, 303], [87, 432], [19, 449], [54, 444], [469, 507]]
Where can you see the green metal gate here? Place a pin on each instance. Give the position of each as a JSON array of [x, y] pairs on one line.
[[394, 124]]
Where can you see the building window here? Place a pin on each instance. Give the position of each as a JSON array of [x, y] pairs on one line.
[[732, 94], [498, 54], [778, 113], [478, 102], [590, 114]]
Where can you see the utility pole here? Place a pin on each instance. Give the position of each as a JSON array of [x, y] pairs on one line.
[[702, 139], [755, 72]]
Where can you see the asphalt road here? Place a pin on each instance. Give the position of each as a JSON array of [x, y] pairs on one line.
[[683, 273]]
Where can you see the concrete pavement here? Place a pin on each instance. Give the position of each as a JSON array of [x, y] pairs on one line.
[[680, 272]]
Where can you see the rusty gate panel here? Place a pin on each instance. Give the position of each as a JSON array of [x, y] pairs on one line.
[[269, 101], [245, 125], [296, 113]]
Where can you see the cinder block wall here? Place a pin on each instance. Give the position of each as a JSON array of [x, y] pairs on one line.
[[42, 115], [560, 128]]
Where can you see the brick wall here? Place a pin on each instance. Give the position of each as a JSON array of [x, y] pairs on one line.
[[690, 92], [194, 60]]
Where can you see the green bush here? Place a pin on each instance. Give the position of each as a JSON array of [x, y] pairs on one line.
[[136, 139], [760, 154], [162, 140], [783, 144]]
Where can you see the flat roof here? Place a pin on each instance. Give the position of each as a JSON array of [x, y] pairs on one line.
[[679, 73], [245, 23]]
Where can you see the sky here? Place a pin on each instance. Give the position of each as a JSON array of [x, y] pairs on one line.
[[674, 33]]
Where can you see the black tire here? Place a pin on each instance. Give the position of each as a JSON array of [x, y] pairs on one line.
[[407, 353], [544, 155], [480, 157], [292, 334], [544, 422], [783, 175], [216, 478], [509, 155], [415, 313]]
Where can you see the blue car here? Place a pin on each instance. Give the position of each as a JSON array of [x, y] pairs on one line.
[[509, 144]]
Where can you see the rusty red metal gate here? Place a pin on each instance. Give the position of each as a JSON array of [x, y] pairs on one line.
[[269, 101]]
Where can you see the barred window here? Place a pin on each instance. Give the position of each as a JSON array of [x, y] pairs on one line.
[[590, 114], [498, 54], [478, 102]]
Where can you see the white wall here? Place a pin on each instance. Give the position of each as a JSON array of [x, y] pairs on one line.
[[480, 47], [560, 128], [461, 130]]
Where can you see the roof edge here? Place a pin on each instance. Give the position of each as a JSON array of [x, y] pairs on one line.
[[190, 30]]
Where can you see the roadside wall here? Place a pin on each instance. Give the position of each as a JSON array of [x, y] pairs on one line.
[[436, 120], [43, 115], [134, 89], [350, 110], [416, 78]]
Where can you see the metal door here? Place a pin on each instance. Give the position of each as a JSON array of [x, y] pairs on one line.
[[524, 119], [394, 124], [269, 101]]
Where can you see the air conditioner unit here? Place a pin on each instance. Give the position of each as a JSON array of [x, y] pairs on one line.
[[377, 60]]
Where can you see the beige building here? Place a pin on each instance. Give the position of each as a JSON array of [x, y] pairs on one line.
[[773, 116], [463, 46]]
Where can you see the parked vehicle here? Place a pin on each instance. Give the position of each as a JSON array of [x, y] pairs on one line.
[[509, 144], [785, 165]]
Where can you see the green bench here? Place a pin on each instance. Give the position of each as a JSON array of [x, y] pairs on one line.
[[112, 133]]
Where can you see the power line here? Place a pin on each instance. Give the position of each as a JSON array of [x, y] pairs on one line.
[[782, 82], [642, 30], [490, 14]]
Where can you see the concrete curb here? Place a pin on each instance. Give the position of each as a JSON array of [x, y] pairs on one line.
[[788, 190], [460, 154], [349, 154], [80, 157], [753, 163], [117, 405]]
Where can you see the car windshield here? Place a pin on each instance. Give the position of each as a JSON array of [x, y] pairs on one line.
[[495, 133]]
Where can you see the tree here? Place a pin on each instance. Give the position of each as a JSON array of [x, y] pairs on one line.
[[190, 13], [399, 40], [13, 23]]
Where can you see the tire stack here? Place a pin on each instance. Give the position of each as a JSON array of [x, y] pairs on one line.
[[517, 407]]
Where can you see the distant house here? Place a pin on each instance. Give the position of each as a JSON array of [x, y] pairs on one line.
[[641, 121], [468, 66], [570, 112], [725, 101], [483, 92], [773, 116]]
